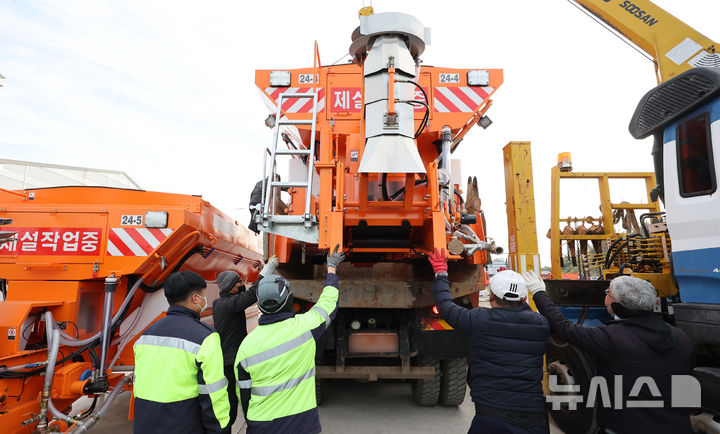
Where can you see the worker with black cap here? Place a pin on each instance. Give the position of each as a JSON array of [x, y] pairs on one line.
[[179, 385], [507, 344], [231, 324], [276, 362]]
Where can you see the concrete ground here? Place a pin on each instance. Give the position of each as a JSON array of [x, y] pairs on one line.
[[352, 407]]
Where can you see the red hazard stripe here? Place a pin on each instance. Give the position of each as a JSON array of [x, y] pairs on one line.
[[157, 233], [307, 108], [481, 92], [458, 92], [275, 94], [290, 102], [118, 243], [135, 235], [445, 102]]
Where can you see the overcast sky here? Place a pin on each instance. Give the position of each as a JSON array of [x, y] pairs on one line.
[[165, 90]]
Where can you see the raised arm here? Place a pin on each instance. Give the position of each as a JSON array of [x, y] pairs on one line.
[[319, 317], [244, 299], [457, 316], [592, 339]]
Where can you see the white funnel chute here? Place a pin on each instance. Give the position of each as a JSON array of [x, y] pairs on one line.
[[384, 41]]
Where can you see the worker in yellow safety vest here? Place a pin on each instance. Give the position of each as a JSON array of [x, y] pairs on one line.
[[180, 385], [276, 361]]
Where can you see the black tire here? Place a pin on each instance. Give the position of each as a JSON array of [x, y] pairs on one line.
[[707, 418], [427, 391], [319, 391], [563, 356], [453, 382]]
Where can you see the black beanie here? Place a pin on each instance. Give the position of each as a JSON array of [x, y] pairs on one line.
[[178, 286], [227, 280]]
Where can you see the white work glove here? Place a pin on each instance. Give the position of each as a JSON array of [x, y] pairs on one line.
[[533, 282], [270, 267]]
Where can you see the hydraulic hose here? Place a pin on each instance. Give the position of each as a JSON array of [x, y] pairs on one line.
[[66, 339], [53, 338], [84, 427], [608, 257], [646, 216]]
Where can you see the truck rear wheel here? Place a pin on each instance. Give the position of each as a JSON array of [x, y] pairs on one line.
[[426, 391], [452, 384], [707, 418], [571, 366]]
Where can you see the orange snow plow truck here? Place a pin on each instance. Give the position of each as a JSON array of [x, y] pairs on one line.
[[361, 158], [81, 272]]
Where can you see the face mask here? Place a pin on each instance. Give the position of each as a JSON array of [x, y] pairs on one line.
[[202, 308]]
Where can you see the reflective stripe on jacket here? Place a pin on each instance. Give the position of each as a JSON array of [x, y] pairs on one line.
[[276, 361], [180, 384]]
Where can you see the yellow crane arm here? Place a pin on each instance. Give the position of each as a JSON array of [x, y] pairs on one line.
[[674, 46]]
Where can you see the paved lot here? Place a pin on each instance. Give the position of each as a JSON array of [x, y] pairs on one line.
[[352, 407]]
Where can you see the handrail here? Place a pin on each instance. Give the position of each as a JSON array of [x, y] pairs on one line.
[[316, 67]]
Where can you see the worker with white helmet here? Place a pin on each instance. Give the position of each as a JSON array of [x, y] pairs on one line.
[[507, 344]]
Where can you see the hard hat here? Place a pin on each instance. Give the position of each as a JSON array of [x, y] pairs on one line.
[[508, 285], [273, 293]]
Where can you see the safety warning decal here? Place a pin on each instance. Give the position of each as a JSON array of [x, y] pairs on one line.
[[460, 99], [12, 332], [297, 105], [53, 241], [135, 241]]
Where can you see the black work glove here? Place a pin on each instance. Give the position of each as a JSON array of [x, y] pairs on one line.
[[334, 259]]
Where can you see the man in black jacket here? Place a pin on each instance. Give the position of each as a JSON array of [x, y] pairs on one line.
[[637, 343], [230, 322], [507, 343]]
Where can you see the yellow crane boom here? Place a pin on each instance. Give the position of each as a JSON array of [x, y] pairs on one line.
[[674, 46]]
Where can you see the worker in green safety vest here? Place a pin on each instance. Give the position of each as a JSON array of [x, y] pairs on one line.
[[180, 385], [276, 361]]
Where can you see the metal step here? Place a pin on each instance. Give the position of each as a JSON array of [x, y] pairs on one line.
[[300, 227], [292, 152], [296, 122], [289, 184]]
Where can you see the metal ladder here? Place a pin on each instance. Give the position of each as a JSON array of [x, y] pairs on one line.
[[299, 227]]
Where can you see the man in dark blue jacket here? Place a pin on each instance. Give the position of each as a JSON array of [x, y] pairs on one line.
[[636, 346], [507, 343], [180, 386]]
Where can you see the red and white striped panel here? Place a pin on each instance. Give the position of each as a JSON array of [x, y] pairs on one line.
[[297, 105], [135, 241], [460, 99]]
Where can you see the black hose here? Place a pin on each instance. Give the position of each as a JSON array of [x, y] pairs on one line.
[[383, 187], [89, 411], [459, 195], [402, 189], [609, 258], [151, 289], [37, 371], [646, 215], [426, 117]]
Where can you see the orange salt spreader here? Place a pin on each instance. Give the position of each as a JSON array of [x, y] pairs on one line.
[[361, 158], [81, 270]]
